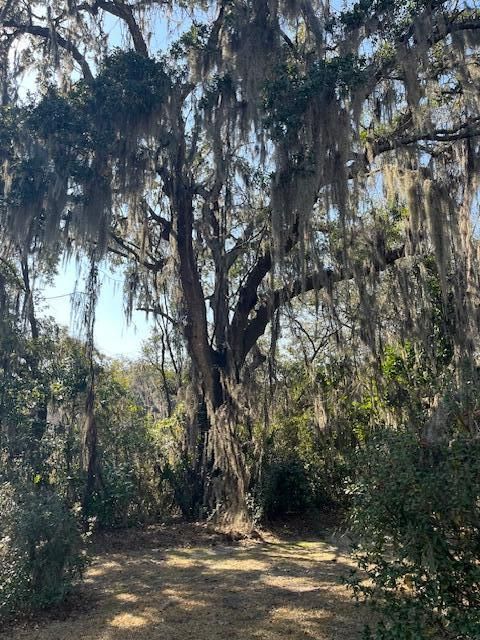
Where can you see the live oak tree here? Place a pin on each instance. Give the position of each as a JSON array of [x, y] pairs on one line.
[[252, 162]]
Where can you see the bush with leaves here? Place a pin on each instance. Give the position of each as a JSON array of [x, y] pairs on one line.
[[416, 512], [306, 457], [132, 451], [303, 468], [41, 548], [285, 488]]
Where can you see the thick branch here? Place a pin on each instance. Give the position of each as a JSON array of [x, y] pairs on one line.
[[125, 13], [459, 131], [248, 295], [44, 32], [179, 190], [165, 224], [315, 281]]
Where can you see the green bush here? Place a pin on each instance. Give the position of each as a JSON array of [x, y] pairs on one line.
[[114, 506], [416, 512], [186, 487], [285, 488], [303, 468], [41, 549], [126, 498]]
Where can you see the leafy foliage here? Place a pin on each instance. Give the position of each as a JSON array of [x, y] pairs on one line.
[[416, 511], [292, 92], [41, 547]]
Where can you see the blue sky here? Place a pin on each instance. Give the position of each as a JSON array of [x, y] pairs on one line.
[[113, 335]]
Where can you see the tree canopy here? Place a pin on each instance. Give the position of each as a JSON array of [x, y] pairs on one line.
[[271, 152]]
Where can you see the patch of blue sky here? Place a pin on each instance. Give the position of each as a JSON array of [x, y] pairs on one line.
[[114, 336]]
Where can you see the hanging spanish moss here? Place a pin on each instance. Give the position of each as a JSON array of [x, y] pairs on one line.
[[280, 149]]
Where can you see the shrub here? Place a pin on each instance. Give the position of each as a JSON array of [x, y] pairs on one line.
[[308, 471], [114, 506], [126, 497], [186, 487], [41, 549], [285, 488], [416, 512]]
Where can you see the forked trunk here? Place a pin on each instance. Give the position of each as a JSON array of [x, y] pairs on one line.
[[217, 451]]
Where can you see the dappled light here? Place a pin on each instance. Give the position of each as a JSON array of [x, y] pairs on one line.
[[252, 590], [128, 621]]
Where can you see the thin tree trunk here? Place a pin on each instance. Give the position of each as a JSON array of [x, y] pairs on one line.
[[39, 423], [90, 439]]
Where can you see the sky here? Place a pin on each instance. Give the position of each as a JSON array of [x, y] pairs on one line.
[[114, 337]]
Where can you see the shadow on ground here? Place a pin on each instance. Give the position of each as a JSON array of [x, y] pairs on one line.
[[275, 591]]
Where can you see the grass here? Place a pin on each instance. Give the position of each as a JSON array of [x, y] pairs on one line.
[[188, 584]]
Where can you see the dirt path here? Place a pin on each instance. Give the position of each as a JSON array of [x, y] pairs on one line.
[[210, 590]]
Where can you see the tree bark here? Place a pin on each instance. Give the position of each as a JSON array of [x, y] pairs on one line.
[[40, 418], [218, 460]]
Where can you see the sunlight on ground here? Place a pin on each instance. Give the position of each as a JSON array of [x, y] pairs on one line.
[[128, 621], [127, 597], [255, 591]]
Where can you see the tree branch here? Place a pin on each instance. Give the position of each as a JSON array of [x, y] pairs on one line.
[[248, 295], [460, 131], [316, 281], [44, 32], [166, 224], [158, 312], [125, 13], [155, 266]]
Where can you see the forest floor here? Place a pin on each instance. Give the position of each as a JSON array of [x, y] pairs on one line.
[[182, 582]]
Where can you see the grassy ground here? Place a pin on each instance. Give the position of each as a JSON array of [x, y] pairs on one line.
[[187, 584]]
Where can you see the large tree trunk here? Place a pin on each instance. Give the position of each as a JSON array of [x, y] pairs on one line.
[[217, 470], [227, 483], [218, 458]]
